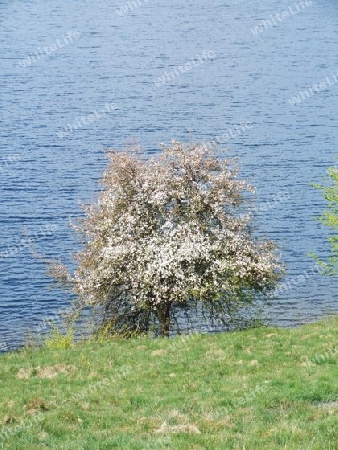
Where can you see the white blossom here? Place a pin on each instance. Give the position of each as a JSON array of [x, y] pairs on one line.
[[167, 229]]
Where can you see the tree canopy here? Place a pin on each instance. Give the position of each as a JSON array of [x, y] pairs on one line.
[[166, 233]]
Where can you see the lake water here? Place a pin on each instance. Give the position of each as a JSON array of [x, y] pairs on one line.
[[119, 63]]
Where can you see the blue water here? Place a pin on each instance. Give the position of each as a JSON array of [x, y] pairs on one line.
[[116, 60]]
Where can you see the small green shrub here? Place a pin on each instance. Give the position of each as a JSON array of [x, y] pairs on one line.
[[330, 219], [60, 338]]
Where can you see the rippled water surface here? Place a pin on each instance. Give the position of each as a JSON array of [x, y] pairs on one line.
[[62, 61]]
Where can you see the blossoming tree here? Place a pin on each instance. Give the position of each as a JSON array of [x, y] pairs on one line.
[[166, 233]]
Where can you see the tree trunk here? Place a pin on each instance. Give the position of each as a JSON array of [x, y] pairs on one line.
[[163, 315]]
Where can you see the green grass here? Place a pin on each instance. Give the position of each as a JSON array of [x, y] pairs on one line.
[[264, 388]]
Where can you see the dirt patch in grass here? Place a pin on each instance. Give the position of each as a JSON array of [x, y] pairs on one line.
[[216, 353], [189, 428], [24, 374], [45, 372], [9, 419], [254, 362], [35, 405], [333, 404], [53, 371], [158, 352]]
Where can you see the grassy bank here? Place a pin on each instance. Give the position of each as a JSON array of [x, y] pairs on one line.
[[264, 388]]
